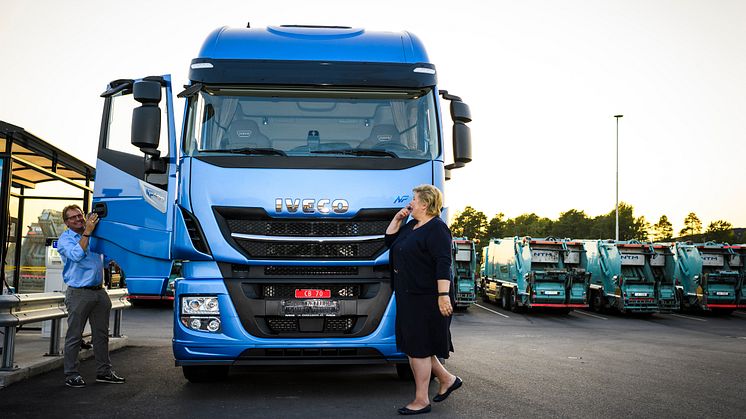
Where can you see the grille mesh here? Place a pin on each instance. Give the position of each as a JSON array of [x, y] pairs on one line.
[[366, 250], [311, 270], [298, 228], [291, 325]]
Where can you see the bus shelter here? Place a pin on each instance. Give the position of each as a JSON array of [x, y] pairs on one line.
[[38, 180]]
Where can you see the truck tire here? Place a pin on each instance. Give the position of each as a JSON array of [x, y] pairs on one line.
[[597, 302], [505, 298], [205, 373], [514, 306]]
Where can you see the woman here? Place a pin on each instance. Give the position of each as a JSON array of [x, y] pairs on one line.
[[420, 257]]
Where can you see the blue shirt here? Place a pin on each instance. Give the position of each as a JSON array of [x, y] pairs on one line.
[[82, 268]]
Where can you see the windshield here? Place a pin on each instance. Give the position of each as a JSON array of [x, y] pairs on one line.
[[326, 122]]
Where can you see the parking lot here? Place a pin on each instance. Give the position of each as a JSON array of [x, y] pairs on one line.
[[580, 364]]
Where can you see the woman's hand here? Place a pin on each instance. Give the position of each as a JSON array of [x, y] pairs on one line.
[[444, 304], [403, 213]]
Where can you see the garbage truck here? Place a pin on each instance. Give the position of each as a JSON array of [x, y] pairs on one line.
[[464, 271], [298, 146], [663, 268], [710, 276], [621, 276], [524, 272]]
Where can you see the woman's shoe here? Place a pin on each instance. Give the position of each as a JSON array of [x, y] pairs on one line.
[[407, 411], [455, 386]]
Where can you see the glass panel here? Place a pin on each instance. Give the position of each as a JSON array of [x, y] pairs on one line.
[[10, 245], [120, 125], [296, 122]]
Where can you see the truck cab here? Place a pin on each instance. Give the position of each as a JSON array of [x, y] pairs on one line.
[[299, 145], [710, 276]]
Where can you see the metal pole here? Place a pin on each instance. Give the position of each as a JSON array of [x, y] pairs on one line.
[[117, 324], [617, 175], [8, 348], [54, 338]]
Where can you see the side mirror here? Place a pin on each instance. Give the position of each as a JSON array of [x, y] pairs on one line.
[[146, 119], [461, 115]]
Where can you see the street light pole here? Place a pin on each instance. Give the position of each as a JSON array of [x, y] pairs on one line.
[[617, 175]]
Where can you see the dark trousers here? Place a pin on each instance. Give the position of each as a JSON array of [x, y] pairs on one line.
[[87, 305]]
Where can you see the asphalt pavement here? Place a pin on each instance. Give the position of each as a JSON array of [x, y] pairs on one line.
[[541, 364]]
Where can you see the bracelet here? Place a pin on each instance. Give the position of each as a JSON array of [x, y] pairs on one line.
[[86, 235], [443, 294]]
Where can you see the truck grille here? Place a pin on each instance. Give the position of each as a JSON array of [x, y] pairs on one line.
[[274, 238], [311, 270]]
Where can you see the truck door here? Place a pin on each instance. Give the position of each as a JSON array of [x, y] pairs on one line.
[[134, 192]]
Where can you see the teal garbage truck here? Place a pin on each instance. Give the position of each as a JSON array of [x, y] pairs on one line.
[[710, 276], [522, 272], [464, 267], [621, 276], [663, 268]]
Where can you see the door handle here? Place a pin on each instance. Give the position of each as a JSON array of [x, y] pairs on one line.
[[100, 209]]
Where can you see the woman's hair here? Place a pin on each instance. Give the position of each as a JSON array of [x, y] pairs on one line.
[[431, 196]]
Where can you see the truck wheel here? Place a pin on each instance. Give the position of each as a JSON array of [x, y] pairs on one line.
[[204, 373], [514, 306], [597, 302], [505, 298]]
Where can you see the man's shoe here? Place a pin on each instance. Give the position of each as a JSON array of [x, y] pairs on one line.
[[111, 378], [407, 411], [76, 381], [455, 386]]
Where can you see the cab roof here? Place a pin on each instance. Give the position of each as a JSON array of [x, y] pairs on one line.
[[313, 43]]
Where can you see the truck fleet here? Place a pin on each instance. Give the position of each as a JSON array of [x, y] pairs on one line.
[[624, 276], [298, 146]]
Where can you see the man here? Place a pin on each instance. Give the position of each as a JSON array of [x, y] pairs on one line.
[[85, 298]]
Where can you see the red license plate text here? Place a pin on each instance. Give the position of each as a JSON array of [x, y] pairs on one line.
[[310, 293]]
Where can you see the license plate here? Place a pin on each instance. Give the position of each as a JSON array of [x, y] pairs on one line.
[[722, 293], [641, 294], [311, 293], [551, 292], [310, 307]]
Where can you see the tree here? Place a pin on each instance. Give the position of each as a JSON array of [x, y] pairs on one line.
[[470, 223], [663, 229], [496, 227], [692, 225], [572, 224], [640, 229], [720, 231], [529, 225], [604, 226]]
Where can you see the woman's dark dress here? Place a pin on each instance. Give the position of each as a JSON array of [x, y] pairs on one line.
[[419, 257]]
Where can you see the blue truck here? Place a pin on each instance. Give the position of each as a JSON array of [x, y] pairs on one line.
[[299, 144], [710, 276], [621, 276], [523, 272]]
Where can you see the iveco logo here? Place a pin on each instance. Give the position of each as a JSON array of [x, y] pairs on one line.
[[323, 206]]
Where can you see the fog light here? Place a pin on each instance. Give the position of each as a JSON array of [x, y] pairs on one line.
[[195, 324], [214, 325]]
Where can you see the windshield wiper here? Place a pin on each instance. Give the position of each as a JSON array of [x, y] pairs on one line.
[[356, 152], [249, 150]]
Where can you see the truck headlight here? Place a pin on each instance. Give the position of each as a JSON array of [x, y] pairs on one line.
[[200, 313], [199, 305]]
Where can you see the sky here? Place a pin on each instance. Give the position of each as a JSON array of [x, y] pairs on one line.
[[543, 78]]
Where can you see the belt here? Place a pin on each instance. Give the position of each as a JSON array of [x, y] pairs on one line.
[[91, 287]]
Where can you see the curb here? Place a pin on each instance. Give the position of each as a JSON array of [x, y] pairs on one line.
[[44, 364]]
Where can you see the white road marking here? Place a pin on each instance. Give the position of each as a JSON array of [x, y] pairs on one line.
[[689, 318], [492, 311], [589, 314], [740, 312]]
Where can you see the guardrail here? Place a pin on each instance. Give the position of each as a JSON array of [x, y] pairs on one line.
[[19, 309]]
